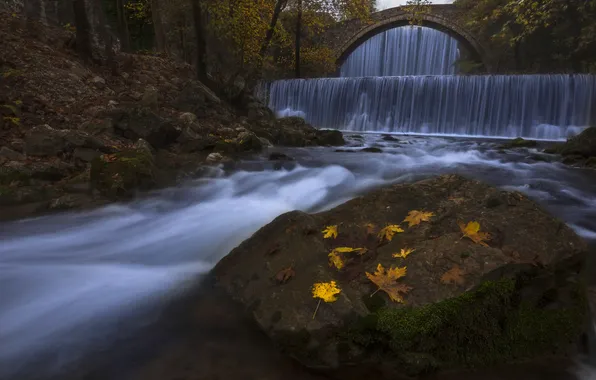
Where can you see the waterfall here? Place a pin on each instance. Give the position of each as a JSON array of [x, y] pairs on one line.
[[403, 51], [548, 107]]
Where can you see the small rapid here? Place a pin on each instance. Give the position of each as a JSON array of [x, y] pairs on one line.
[[69, 281]]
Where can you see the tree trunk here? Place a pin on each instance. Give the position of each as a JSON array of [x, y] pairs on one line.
[[123, 31], [92, 34], [35, 11], [201, 66], [279, 6], [298, 37], [160, 36]]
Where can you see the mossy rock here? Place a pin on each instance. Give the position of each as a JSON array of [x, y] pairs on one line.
[[519, 143], [520, 297], [122, 174], [583, 145]]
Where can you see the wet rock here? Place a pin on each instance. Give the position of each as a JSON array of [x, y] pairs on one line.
[[11, 154], [122, 174], [265, 143], [215, 157], [519, 143], [371, 150], [245, 142], [389, 138], [519, 298], [582, 145], [143, 146], [332, 138], [278, 156], [135, 123], [257, 110]]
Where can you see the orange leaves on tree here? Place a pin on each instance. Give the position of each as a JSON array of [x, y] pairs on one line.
[[472, 232], [386, 280], [453, 276], [403, 253], [330, 232], [388, 232], [415, 217]]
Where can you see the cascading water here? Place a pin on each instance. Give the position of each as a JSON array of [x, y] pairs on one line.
[[548, 107], [403, 51]]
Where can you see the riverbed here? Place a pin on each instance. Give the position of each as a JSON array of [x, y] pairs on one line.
[[121, 293]]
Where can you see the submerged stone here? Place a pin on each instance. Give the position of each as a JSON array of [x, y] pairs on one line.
[[519, 298]]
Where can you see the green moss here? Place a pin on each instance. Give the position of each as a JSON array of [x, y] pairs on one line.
[[122, 173], [489, 325], [519, 143]]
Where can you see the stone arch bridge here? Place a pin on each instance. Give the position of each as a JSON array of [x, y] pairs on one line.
[[346, 36]]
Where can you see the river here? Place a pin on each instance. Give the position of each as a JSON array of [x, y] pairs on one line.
[[83, 293]]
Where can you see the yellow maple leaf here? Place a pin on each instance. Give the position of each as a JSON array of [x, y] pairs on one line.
[[403, 253], [386, 281], [330, 231], [415, 217], [337, 260], [389, 231], [472, 232], [325, 291]]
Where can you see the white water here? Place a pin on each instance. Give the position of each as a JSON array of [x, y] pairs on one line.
[[403, 51], [551, 107], [67, 281]]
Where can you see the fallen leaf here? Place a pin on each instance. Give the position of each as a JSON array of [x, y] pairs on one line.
[[403, 253], [472, 232], [453, 276], [285, 275], [336, 260], [325, 291], [415, 217], [386, 281], [330, 231], [389, 231]]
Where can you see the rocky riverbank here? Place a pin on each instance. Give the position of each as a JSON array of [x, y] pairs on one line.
[[443, 274], [74, 135]]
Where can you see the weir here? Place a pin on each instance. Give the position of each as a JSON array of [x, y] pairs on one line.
[[534, 106], [404, 51]]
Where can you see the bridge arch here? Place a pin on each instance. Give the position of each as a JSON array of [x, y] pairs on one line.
[[440, 18]]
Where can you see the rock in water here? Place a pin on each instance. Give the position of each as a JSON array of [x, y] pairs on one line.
[[512, 296]]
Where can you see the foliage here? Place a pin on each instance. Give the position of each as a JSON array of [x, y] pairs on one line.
[[336, 259], [389, 231], [543, 35], [285, 275], [415, 217], [385, 280], [416, 10], [472, 232], [330, 232], [325, 291]]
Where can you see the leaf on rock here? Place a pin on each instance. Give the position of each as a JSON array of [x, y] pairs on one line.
[[389, 231], [415, 217], [330, 232], [472, 232], [370, 228], [326, 291], [453, 276], [386, 281], [337, 260], [285, 275], [403, 253]]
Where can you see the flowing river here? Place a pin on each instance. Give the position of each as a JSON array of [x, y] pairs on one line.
[[93, 284]]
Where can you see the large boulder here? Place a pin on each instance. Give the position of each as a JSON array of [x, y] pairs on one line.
[[514, 296], [142, 123], [44, 140], [294, 131], [580, 149]]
